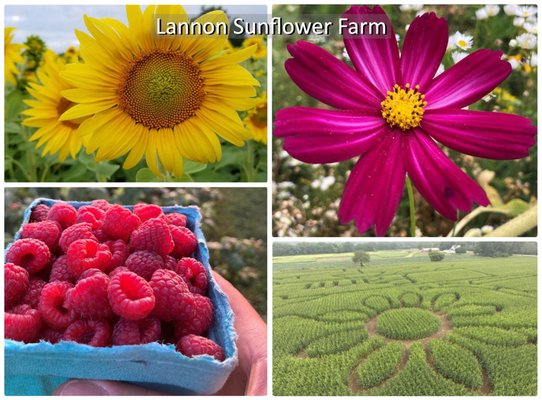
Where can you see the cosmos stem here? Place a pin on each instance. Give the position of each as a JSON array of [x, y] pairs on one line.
[[411, 207]]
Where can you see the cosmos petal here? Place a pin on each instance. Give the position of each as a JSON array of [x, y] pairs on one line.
[[468, 81], [322, 136], [493, 135], [423, 49], [376, 58], [446, 187], [375, 186]]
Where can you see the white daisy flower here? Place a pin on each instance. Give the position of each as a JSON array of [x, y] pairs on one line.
[[526, 11], [458, 56], [533, 60], [492, 9], [510, 9], [514, 62], [531, 28], [518, 21], [513, 43], [459, 40], [526, 41], [481, 14], [410, 7]]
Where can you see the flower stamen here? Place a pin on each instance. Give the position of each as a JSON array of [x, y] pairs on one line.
[[403, 108]]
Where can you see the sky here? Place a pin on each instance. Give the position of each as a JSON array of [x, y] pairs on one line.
[[56, 24]]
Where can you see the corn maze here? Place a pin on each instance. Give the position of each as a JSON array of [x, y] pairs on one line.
[[404, 326]]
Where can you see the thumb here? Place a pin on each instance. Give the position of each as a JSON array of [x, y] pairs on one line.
[[83, 387]]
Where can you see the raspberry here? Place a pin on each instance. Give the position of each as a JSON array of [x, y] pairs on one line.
[[193, 345], [89, 272], [39, 213], [60, 271], [130, 295], [169, 289], [75, 232], [147, 211], [119, 251], [101, 204], [22, 323], [185, 241], [144, 263], [31, 254], [136, 332], [46, 231], [33, 293], [15, 283], [84, 254], [89, 296], [170, 263], [193, 273], [51, 305], [63, 213], [197, 316], [93, 333], [117, 270], [51, 335], [119, 223], [176, 219], [100, 235], [152, 235], [91, 215]]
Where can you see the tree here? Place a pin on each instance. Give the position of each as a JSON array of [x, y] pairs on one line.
[[461, 250], [361, 257], [494, 249], [436, 256]]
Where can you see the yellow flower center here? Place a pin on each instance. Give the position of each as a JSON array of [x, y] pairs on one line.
[[461, 43], [403, 108], [161, 89]]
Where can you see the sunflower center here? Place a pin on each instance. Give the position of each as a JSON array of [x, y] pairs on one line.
[[259, 116], [161, 89], [63, 106], [403, 108]]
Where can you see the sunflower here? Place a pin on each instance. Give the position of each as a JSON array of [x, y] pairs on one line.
[[261, 48], [256, 119], [45, 109], [162, 97], [12, 56]]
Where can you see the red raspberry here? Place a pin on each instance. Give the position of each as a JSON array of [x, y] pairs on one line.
[[15, 284], [91, 215], [100, 235], [136, 332], [117, 270], [60, 271], [176, 219], [89, 272], [84, 254], [101, 204], [51, 335], [170, 263], [89, 296], [130, 295], [193, 345], [22, 323], [31, 254], [93, 333], [75, 232], [119, 223], [144, 263], [120, 252], [185, 241], [152, 235], [63, 213], [39, 213], [169, 289], [46, 231], [33, 294], [193, 273], [52, 305], [147, 211], [197, 316]]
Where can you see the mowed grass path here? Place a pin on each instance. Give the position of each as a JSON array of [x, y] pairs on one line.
[[326, 316]]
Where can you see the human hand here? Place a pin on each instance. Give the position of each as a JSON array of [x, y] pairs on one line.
[[249, 378]]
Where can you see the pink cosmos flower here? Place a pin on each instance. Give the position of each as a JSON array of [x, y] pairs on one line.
[[390, 110]]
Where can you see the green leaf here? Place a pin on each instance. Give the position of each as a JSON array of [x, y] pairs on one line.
[[191, 167], [14, 105], [513, 208], [105, 169], [146, 175], [12, 127]]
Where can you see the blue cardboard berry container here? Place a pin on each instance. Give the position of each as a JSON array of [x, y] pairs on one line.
[[39, 368]]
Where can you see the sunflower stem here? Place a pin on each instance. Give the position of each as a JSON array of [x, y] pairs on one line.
[[411, 206], [249, 165]]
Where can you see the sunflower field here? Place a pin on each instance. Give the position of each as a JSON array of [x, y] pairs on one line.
[[123, 104], [308, 195], [403, 325]]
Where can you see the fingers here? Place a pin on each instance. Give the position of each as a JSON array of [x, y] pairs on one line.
[[84, 387], [252, 341]]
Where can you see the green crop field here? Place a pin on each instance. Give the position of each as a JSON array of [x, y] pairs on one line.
[[404, 325]]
